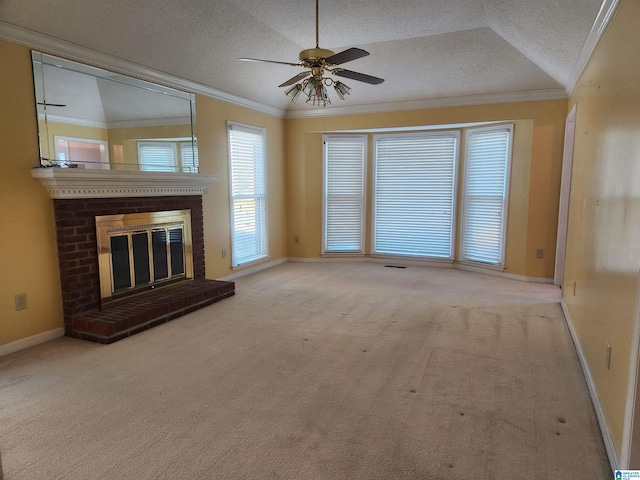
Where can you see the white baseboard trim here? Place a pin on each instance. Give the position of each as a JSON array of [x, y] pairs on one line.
[[597, 406], [328, 259], [411, 262], [385, 260], [630, 414], [423, 263], [24, 343], [254, 269], [511, 276]]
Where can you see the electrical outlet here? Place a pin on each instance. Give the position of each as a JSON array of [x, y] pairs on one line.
[[224, 253], [607, 357], [540, 253], [21, 301], [296, 239]]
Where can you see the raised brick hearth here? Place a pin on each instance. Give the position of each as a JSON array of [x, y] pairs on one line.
[[141, 312], [84, 316]]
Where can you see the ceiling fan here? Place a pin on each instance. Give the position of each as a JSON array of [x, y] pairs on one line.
[[45, 104], [316, 62]]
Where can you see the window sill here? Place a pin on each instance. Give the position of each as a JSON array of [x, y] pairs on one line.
[[488, 266], [251, 262]]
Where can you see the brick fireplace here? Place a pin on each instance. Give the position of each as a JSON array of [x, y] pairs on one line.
[[77, 201]]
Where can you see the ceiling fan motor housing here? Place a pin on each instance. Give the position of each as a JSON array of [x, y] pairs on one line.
[[312, 54]]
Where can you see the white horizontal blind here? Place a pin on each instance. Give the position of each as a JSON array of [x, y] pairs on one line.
[[189, 157], [344, 193], [157, 156], [414, 194], [485, 194], [248, 193]]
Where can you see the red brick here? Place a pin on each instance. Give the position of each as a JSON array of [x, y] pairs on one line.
[[99, 327], [78, 252]]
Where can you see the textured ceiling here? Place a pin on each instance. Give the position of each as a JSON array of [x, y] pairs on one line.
[[424, 49]]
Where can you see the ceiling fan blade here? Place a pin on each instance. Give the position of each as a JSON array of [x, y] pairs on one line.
[[295, 79], [51, 104], [346, 56], [269, 61], [360, 77]]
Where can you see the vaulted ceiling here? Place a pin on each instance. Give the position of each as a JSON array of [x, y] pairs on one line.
[[424, 49]]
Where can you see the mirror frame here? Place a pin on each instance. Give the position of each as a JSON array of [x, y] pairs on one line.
[[123, 150]]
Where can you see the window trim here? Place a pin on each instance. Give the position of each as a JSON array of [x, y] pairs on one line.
[[105, 164], [456, 133], [195, 157], [337, 138], [262, 132], [507, 185]]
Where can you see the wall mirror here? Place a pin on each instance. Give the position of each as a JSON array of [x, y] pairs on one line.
[[96, 119]]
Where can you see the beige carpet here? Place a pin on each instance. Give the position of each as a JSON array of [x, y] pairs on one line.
[[316, 371]]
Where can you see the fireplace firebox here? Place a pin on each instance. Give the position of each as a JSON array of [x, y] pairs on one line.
[[141, 251]]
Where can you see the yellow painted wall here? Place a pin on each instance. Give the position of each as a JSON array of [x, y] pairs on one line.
[[213, 156], [49, 130], [535, 176], [28, 259], [603, 242]]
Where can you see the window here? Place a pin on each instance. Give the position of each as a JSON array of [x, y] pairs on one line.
[[414, 194], [157, 156], [248, 193], [92, 154], [344, 193], [488, 154], [189, 157]]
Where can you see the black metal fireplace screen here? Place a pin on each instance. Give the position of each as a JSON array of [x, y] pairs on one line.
[[143, 250]]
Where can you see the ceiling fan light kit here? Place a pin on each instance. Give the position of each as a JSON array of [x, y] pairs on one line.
[[342, 90], [317, 62], [294, 92], [316, 93]]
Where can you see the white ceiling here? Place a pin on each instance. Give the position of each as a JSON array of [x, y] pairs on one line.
[[424, 49]]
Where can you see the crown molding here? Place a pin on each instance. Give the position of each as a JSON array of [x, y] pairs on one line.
[[81, 183], [510, 97], [55, 46], [606, 13], [151, 122], [83, 122]]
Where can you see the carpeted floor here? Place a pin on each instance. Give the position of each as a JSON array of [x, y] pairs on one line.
[[316, 371]]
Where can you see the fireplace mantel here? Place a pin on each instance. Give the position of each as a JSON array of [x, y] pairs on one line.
[[81, 183]]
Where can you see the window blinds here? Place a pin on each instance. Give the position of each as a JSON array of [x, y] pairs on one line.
[[414, 194], [485, 194], [189, 157], [157, 156], [248, 193], [344, 193]]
